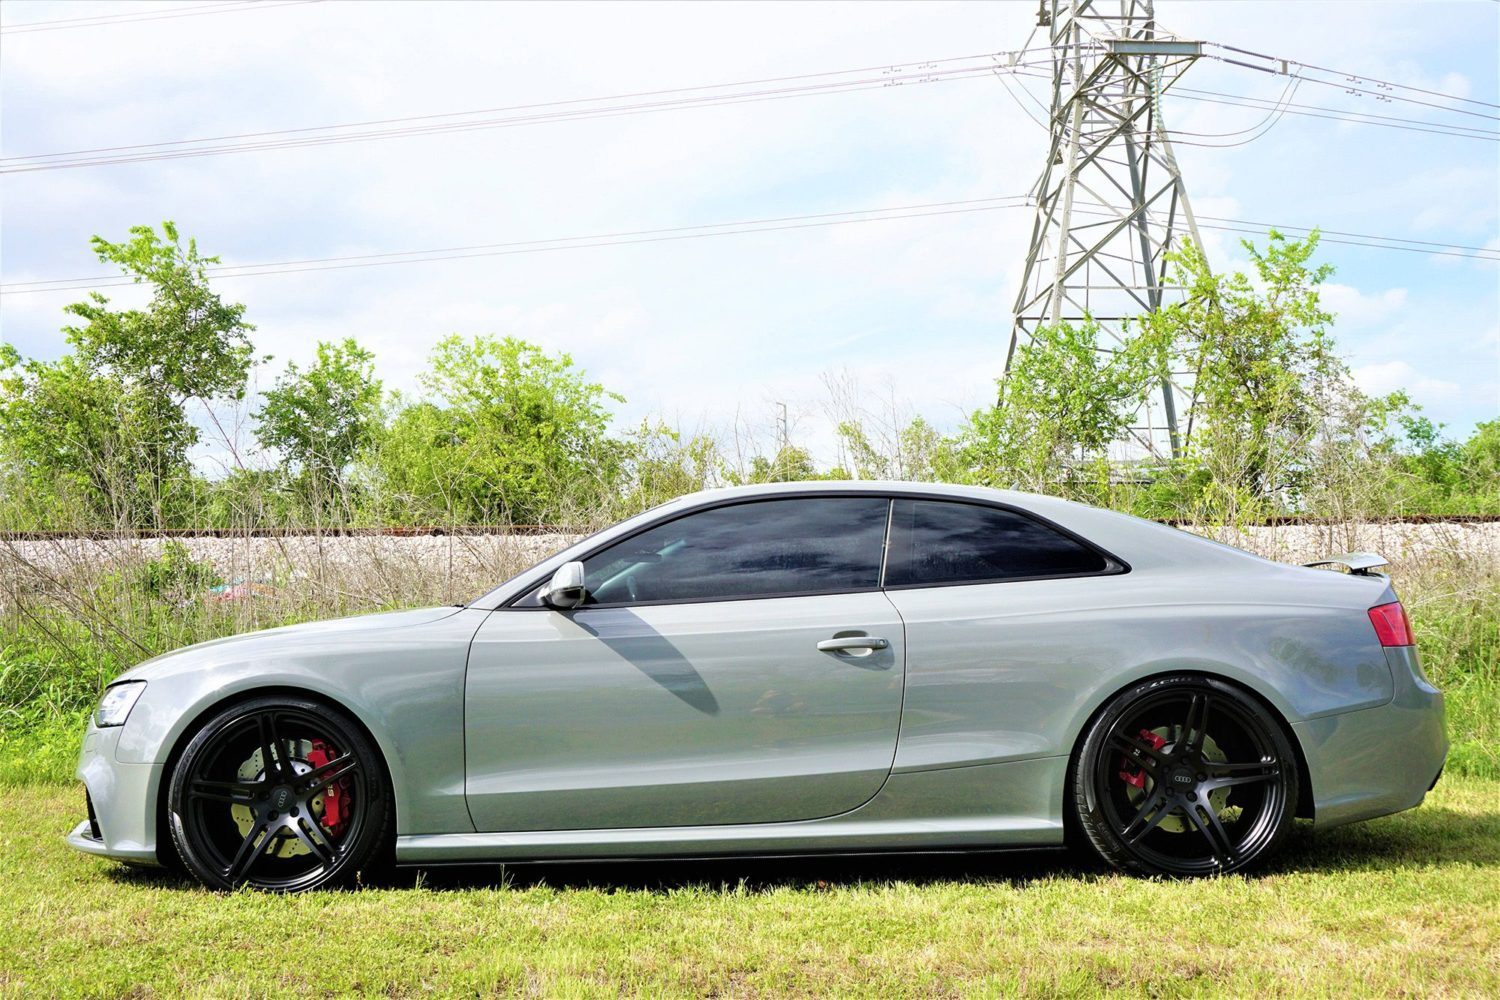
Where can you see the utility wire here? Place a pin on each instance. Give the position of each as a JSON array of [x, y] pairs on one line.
[[775, 224], [1355, 84], [876, 77], [161, 14], [1317, 111], [722, 100], [677, 233], [1368, 240], [1357, 76], [887, 67], [1332, 114], [1254, 132]]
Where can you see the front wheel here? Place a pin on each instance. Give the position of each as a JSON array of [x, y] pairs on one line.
[[278, 793], [1184, 776]]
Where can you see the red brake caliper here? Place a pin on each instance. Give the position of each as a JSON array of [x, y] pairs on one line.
[[1137, 777], [334, 819]]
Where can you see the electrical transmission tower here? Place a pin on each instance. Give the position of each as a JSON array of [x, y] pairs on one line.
[[1110, 202]]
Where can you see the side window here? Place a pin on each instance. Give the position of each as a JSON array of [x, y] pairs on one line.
[[934, 542], [767, 548]]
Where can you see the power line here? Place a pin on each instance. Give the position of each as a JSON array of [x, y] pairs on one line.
[[1368, 240], [776, 224], [1336, 114], [886, 67], [1353, 84], [746, 226], [1316, 111], [1358, 76], [162, 14], [1263, 226], [1258, 130], [889, 76]]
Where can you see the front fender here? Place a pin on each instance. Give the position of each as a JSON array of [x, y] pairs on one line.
[[402, 680]]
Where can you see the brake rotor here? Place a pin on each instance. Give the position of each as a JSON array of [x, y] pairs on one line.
[[284, 845], [1135, 780]]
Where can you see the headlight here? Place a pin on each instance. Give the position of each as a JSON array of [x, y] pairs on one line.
[[117, 702]]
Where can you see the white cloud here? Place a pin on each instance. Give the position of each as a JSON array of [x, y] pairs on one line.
[[715, 328], [1389, 376], [1354, 308]]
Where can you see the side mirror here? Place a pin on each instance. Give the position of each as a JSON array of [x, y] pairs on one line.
[[565, 590]]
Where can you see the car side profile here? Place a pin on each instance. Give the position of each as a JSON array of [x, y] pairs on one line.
[[810, 667]]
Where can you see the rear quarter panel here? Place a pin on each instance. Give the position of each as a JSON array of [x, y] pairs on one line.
[[1008, 671]]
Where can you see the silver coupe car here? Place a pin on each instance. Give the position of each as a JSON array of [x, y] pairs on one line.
[[810, 667]]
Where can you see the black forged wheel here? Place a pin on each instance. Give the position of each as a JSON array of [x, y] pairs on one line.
[[280, 794], [1184, 776]]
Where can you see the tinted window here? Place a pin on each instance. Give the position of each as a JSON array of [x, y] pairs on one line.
[[933, 542], [764, 549]]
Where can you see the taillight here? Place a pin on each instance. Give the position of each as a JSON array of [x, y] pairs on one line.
[[1392, 626]]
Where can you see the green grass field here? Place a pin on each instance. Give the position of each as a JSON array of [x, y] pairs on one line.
[[1408, 905]]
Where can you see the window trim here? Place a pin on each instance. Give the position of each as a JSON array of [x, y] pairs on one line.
[[510, 605], [1114, 565]]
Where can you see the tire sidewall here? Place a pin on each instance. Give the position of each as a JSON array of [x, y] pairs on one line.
[[356, 858], [1090, 819]]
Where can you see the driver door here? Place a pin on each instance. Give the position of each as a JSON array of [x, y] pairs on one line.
[[690, 689]]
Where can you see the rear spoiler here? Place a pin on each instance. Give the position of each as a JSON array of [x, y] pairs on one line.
[[1358, 563]]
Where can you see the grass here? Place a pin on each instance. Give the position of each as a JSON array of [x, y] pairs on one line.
[[1408, 905]]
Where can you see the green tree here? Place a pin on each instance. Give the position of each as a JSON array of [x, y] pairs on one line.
[[85, 445], [187, 344], [106, 427], [323, 417], [1481, 458], [790, 464], [1062, 401], [916, 452], [509, 433], [662, 464], [1264, 376]]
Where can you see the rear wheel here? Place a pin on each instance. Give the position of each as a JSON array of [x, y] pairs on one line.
[[1185, 776], [281, 794]]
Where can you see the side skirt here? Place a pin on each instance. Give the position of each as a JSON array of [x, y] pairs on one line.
[[1010, 805]]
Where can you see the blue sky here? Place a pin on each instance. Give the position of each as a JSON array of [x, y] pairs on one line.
[[905, 316]]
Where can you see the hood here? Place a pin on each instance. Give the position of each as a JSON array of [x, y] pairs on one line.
[[205, 654]]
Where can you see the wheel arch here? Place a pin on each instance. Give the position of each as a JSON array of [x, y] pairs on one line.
[[1305, 800], [166, 853]]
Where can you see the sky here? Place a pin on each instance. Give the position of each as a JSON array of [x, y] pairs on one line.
[[904, 317]]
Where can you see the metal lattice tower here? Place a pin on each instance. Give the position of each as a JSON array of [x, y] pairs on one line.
[[1110, 201]]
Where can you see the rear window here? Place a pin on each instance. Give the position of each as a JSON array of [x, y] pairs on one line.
[[934, 542]]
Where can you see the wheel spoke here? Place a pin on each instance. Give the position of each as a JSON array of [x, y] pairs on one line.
[[251, 848], [1267, 767], [1219, 845], [324, 775], [320, 846], [238, 792], [1152, 812], [1195, 726], [271, 747], [1245, 779]]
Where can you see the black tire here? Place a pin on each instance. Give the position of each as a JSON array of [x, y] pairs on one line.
[[278, 793], [1184, 776]]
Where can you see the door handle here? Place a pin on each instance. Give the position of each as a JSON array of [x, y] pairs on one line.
[[847, 643]]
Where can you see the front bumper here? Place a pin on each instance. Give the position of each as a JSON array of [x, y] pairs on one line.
[[123, 797], [1377, 761]]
